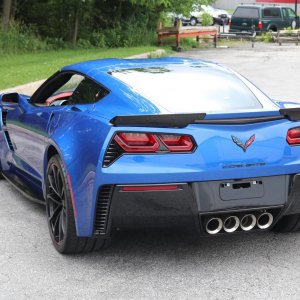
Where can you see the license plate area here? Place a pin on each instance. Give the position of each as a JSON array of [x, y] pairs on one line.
[[243, 189]]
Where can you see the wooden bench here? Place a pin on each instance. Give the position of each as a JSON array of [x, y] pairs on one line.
[[180, 31]]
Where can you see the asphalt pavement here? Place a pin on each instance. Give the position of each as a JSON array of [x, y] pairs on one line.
[[159, 264]]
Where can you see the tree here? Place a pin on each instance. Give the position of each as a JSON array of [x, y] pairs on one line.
[[6, 11]]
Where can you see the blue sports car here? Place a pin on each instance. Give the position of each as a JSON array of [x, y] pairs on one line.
[[112, 144]]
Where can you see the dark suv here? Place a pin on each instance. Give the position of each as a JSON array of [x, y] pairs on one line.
[[263, 18]]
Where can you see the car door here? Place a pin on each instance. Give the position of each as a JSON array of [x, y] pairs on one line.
[[289, 18], [28, 124]]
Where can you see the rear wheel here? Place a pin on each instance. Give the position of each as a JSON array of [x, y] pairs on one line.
[[288, 224], [60, 213]]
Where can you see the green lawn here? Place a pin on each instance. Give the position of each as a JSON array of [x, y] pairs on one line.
[[23, 68]]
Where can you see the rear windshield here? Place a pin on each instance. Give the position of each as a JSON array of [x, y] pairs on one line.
[[181, 89], [246, 12]]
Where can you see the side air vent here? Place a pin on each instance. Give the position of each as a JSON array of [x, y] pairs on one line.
[[4, 113], [113, 152], [102, 209], [10, 145]]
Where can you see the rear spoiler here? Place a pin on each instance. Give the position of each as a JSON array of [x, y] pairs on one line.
[[183, 120], [169, 120], [293, 114]]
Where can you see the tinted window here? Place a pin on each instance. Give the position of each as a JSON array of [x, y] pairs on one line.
[[246, 12], [271, 12], [68, 88], [87, 92], [190, 88]]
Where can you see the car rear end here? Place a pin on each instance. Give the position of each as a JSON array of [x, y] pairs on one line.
[[246, 19], [219, 175], [216, 171]]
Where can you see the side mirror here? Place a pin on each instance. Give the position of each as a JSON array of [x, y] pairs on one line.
[[12, 98]]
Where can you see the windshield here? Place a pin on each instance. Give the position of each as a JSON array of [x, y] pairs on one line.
[[182, 89]]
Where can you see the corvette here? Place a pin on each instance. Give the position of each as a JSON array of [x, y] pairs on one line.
[[113, 143]]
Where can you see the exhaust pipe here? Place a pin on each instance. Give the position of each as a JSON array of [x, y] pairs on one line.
[[214, 225], [248, 222], [264, 220], [231, 224]]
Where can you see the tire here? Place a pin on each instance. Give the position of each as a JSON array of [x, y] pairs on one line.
[[193, 21], [289, 223], [60, 213]]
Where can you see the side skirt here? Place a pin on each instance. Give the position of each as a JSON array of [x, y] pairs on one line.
[[23, 190]]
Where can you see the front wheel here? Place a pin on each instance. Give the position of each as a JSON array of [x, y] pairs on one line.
[[60, 213], [193, 21]]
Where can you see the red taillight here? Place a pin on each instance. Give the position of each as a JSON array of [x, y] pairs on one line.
[[177, 143], [145, 188], [229, 23], [137, 142], [260, 25], [293, 136], [144, 142]]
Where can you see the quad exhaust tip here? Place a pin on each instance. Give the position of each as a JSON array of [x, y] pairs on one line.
[[231, 224], [214, 225], [248, 222], [264, 220]]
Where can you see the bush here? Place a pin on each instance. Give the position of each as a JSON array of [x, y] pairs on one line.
[[19, 39], [207, 19]]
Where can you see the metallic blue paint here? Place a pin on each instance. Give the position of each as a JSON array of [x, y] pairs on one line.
[[81, 137]]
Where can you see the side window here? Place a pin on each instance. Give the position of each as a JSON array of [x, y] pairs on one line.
[[271, 12], [285, 13], [291, 13], [67, 89], [87, 92]]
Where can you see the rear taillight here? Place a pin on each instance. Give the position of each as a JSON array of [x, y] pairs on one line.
[[146, 142], [293, 136], [177, 143], [229, 23], [137, 142], [141, 142], [260, 25]]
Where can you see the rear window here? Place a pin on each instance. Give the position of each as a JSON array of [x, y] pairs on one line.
[[182, 89], [246, 12]]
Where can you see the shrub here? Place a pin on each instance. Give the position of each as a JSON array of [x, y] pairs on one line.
[[207, 19]]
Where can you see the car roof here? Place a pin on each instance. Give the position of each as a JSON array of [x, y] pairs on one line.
[[261, 6], [112, 64]]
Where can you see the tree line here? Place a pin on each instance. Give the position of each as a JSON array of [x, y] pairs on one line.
[[110, 22]]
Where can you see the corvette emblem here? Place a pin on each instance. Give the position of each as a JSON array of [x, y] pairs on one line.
[[240, 144]]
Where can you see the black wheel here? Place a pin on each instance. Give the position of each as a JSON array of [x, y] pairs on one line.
[[289, 223], [193, 21], [60, 214]]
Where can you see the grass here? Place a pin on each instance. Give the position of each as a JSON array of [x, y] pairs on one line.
[[23, 68]]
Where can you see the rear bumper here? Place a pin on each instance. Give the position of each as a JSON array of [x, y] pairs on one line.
[[191, 203]]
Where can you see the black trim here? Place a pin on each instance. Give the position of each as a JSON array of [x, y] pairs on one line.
[[240, 121], [164, 120], [103, 209], [183, 120], [293, 114], [23, 189]]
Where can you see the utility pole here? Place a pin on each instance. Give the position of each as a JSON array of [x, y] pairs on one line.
[[296, 7]]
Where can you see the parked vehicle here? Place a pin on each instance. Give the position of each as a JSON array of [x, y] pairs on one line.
[[219, 16], [112, 144], [262, 18]]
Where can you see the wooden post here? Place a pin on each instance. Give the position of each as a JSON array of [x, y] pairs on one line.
[[6, 10]]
